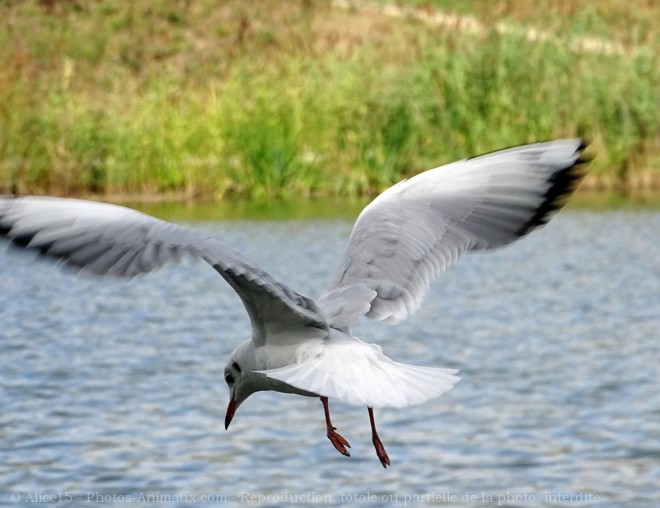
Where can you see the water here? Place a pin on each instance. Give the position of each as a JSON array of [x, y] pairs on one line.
[[112, 391]]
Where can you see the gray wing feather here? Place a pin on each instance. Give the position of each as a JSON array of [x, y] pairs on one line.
[[419, 227], [116, 241]]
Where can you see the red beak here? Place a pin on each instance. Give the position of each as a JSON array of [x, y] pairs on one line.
[[231, 409]]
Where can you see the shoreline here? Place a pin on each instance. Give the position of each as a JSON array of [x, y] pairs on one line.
[[290, 99], [590, 194]]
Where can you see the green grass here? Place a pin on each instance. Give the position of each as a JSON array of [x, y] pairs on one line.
[[292, 98]]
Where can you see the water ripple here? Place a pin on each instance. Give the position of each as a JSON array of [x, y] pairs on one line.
[[115, 388]]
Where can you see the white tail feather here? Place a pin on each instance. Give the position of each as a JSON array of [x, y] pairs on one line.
[[359, 373]]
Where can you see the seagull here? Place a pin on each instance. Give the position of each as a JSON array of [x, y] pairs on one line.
[[404, 238]]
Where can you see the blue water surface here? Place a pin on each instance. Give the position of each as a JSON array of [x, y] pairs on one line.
[[111, 391]]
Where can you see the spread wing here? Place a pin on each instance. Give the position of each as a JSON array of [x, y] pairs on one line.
[[414, 230], [113, 240]]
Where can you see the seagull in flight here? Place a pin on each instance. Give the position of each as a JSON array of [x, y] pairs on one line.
[[404, 238]]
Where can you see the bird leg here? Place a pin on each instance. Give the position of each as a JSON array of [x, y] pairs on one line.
[[378, 445], [335, 438]]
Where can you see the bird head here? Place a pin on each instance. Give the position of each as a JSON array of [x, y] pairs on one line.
[[239, 379]]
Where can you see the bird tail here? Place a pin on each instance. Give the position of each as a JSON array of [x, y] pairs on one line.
[[362, 375]]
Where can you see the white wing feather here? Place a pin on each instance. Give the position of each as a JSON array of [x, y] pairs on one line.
[[113, 240], [416, 229]]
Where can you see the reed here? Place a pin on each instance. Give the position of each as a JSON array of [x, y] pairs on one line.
[[301, 98]]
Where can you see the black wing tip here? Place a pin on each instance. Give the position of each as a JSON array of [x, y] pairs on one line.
[[563, 184], [5, 228], [20, 240], [23, 242]]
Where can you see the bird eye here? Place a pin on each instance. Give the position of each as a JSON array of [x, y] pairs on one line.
[[229, 379]]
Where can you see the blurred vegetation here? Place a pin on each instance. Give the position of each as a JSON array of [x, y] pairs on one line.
[[306, 97]]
